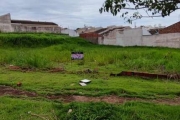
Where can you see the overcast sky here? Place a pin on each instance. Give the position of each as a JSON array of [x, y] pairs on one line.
[[73, 13]]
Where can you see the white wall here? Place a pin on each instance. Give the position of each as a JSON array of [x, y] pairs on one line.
[[6, 27], [132, 37], [119, 38], [171, 40], [70, 32], [110, 38], [5, 23], [128, 37], [145, 31], [135, 37]]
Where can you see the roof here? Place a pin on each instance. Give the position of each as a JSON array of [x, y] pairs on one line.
[[100, 30], [32, 22], [174, 28], [154, 31], [106, 30], [111, 29]]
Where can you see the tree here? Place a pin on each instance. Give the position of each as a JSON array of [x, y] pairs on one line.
[[152, 8]]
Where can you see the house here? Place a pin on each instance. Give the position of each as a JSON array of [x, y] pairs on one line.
[[9, 25], [141, 36], [104, 35], [111, 35], [175, 28]]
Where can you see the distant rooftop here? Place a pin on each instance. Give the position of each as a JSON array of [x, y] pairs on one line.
[[32, 22]]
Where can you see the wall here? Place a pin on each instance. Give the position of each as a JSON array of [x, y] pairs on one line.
[[36, 28], [135, 37], [5, 23], [171, 40], [5, 19], [128, 37], [70, 32], [110, 38], [132, 37], [91, 37], [7, 26]]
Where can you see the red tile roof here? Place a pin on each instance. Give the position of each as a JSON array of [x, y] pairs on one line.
[[175, 28]]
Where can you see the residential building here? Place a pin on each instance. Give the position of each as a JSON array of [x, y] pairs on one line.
[[9, 25], [104, 35]]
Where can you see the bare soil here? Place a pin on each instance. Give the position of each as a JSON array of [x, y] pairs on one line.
[[6, 90]]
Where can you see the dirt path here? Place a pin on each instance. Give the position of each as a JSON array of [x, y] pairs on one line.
[[5, 90]]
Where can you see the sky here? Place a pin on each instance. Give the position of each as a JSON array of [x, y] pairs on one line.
[[74, 13]]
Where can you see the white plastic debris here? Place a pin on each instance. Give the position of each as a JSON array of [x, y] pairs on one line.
[[85, 81], [70, 110], [83, 84]]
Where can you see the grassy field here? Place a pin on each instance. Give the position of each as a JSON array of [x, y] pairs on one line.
[[26, 109], [46, 51], [57, 83], [41, 52]]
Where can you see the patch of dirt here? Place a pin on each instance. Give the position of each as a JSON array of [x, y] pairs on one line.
[[173, 76], [26, 69], [6, 90], [18, 68], [175, 101], [108, 99], [53, 70]]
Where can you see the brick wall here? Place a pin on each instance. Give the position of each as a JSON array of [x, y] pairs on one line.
[[92, 37], [175, 28]]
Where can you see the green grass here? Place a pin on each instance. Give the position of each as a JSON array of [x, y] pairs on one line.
[[57, 83], [51, 50], [43, 51], [39, 52], [19, 109], [33, 40]]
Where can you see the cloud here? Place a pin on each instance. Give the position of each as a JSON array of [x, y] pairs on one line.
[[72, 13]]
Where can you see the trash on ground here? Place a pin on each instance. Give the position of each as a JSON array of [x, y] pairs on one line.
[[85, 81], [83, 84], [70, 110]]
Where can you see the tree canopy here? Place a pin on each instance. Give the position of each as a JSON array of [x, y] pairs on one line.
[[152, 8]]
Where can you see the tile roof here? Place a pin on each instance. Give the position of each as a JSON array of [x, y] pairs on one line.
[[174, 28]]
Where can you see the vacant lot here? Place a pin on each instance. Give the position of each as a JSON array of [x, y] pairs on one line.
[[38, 80]]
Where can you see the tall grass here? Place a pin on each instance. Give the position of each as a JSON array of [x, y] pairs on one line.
[[33, 40], [43, 50]]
